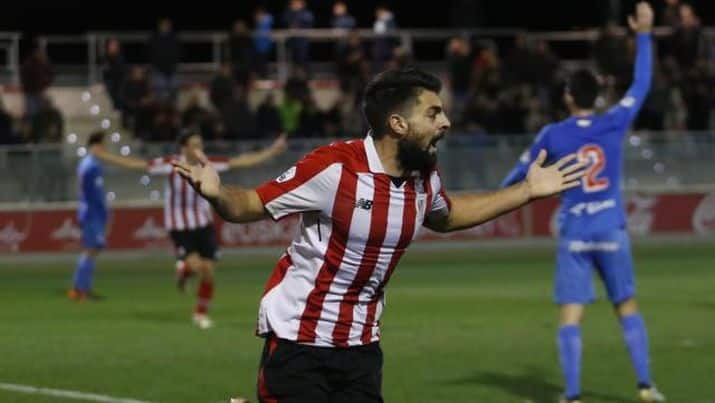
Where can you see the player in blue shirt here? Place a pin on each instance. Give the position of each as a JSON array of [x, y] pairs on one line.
[[592, 219], [92, 214]]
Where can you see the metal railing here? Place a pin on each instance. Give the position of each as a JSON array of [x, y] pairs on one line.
[[674, 162], [93, 45]]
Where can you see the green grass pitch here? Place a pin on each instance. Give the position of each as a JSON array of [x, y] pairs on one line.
[[460, 326]]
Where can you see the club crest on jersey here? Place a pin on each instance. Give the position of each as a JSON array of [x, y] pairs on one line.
[[364, 204], [287, 175]]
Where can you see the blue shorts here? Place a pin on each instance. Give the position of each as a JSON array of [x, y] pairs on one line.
[[609, 254], [93, 234]]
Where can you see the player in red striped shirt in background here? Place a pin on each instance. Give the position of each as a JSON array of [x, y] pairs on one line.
[[361, 204], [187, 216]]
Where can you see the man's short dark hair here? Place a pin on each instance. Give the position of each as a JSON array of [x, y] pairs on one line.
[[95, 138], [186, 134], [391, 91], [584, 87]]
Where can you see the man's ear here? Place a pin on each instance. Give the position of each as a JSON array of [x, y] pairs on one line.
[[398, 124]]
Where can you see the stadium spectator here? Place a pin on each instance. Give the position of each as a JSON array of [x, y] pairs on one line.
[[194, 115], [518, 61], [670, 16], [543, 66], [352, 64], [385, 24], [164, 56], [297, 16], [237, 117], [658, 103], [332, 121], [459, 63], [610, 55], [343, 21], [47, 125], [7, 130], [289, 111], [310, 120], [687, 42], [166, 123], [240, 52], [114, 73], [268, 118], [138, 100], [36, 75], [222, 87], [262, 42], [401, 58], [341, 18]]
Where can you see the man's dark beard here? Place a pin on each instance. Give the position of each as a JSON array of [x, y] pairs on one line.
[[414, 158]]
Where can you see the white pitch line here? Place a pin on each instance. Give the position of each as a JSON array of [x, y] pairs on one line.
[[67, 394]]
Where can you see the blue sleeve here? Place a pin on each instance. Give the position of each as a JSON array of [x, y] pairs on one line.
[[518, 173], [630, 104]]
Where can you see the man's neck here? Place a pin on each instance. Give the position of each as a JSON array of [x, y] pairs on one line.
[[386, 148]]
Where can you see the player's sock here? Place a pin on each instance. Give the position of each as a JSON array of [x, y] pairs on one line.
[[569, 341], [83, 273], [206, 292], [636, 338]]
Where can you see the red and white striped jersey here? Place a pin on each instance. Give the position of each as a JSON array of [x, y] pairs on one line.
[[184, 209], [356, 222]]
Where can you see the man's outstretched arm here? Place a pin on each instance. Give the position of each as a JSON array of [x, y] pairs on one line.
[[469, 210]]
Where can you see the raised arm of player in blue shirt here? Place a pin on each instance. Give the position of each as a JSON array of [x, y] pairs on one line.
[[628, 107]]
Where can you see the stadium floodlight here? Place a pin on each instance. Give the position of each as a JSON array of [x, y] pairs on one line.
[[72, 138], [635, 141], [94, 110], [145, 180], [81, 152], [154, 195], [659, 167], [647, 153], [106, 123], [116, 137], [111, 196], [125, 150], [86, 96]]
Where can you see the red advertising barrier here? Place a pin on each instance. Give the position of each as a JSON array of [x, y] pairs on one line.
[[142, 228]]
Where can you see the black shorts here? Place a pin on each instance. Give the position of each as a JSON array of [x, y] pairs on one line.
[[297, 373], [200, 240]]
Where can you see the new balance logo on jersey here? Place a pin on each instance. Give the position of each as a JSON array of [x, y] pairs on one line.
[[363, 204]]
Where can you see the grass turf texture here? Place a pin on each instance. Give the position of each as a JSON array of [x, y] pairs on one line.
[[460, 325]]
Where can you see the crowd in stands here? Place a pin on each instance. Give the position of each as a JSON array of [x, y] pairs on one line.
[[494, 88]]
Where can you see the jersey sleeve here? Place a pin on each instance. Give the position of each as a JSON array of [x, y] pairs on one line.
[[627, 108], [440, 203], [309, 185], [518, 173], [220, 163], [160, 166]]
